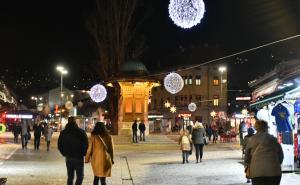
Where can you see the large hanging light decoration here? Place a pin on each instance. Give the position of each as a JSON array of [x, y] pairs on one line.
[[186, 13], [192, 107], [98, 93], [173, 83]]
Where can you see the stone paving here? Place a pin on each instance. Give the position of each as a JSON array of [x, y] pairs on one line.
[[147, 164]]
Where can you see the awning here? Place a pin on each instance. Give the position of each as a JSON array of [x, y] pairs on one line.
[[278, 95], [266, 101]]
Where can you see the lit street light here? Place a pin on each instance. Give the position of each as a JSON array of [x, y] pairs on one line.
[[222, 69], [63, 72]]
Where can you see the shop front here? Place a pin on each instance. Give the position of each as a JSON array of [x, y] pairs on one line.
[[282, 112]]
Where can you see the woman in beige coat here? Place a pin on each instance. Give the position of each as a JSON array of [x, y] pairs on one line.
[[263, 156], [97, 153]]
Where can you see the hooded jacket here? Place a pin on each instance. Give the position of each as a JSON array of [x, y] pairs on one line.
[[72, 142]]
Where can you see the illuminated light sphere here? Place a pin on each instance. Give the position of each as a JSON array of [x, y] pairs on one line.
[[192, 107], [167, 104], [186, 13], [98, 93], [69, 105], [173, 109], [173, 83]]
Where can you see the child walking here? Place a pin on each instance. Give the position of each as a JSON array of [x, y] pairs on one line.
[[185, 142]]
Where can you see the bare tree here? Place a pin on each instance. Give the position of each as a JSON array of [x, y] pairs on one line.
[[111, 25], [113, 28]]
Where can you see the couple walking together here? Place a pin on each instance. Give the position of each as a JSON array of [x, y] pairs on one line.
[[74, 146], [186, 141]]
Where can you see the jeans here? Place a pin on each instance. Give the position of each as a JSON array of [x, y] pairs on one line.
[[102, 180], [185, 156], [24, 139], [37, 143], [134, 137], [16, 137], [142, 135], [74, 164], [199, 151], [275, 180], [48, 146]]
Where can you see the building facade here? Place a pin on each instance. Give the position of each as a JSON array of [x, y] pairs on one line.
[[206, 86]]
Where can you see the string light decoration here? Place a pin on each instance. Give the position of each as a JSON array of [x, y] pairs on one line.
[[186, 13], [192, 107], [173, 109], [167, 104], [98, 93], [173, 83]]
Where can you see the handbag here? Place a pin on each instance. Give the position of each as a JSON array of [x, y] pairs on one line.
[[206, 140], [108, 162], [28, 136]]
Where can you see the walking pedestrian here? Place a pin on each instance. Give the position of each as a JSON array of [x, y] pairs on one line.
[[134, 128], [209, 132], [37, 132], [250, 132], [24, 133], [73, 144], [263, 157], [242, 131], [214, 129], [48, 136], [101, 153], [185, 145], [198, 136], [142, 129], [16, 131]]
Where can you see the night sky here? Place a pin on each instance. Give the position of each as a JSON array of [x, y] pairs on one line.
[[35, 37]]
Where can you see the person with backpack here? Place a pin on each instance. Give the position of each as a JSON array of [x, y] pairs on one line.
[[185, 145]]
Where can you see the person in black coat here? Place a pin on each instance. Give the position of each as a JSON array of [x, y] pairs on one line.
[[16, 131], [73, 144], [134, 128], [37, 130], [142, 129]]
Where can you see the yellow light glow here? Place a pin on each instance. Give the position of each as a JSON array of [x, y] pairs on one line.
[[173, 109], [167, 104], [213, 114]]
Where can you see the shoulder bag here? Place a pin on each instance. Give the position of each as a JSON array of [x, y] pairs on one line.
[[108, 162]]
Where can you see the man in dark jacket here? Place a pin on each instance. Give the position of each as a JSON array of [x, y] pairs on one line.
[[142, 129], [38, 130], [134, 128], [73, 144]]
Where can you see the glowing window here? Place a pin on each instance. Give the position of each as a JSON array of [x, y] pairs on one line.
[[138, 106], [216, 80], [128, 106]]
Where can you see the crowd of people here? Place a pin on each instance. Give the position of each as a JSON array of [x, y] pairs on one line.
[[263, 154], [40, 129]]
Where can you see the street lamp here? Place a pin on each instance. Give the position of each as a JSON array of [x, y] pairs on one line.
[[222, 69], [63, 72]]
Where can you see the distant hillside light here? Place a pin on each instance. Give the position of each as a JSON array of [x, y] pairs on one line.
[[173, 83], [98, 93], [186, 13]]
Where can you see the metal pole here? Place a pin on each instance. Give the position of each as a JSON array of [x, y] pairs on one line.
[[221, 98], [61, 89]]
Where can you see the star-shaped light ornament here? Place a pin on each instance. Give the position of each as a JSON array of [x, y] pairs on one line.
[[173, 109]]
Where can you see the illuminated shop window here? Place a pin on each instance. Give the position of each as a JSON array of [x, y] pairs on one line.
[[128, 106]]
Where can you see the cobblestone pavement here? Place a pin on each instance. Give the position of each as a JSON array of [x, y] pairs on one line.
[[146, 164]]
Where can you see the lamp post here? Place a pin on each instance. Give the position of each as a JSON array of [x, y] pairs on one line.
[[222, 69], [63, 72]]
